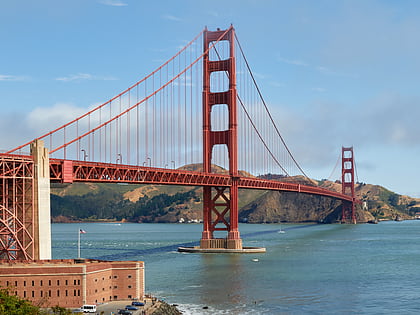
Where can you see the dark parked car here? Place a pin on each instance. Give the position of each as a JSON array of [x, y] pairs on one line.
[[131, 308], [124, 312], [137, 303]]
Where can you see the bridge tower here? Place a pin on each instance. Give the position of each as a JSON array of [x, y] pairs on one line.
[[25, 229], [347, 183], [220, 204]]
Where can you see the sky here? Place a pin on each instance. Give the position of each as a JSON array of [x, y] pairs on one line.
[[334, 73]]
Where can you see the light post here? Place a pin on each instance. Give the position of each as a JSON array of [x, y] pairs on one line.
[[119, 158], [150, 161], [173, 164], [84, 154]]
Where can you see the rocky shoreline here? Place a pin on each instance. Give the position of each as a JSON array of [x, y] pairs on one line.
[[164, 308]]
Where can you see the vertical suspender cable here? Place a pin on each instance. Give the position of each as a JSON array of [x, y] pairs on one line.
[[266, 108], [137, 129]]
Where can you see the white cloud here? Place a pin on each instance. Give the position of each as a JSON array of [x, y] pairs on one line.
[[53, 116], [382, 40], [397, 132], [259, 75], [13, 121], [324, 70], [316, 133], [321, 69], [318, 89], [85, 76], [276, 84], [213, 13], [171, 18], [327, 71], [295, 62], [6, 77], [113, 3]]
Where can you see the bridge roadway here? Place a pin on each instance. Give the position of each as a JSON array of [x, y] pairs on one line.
[[68, 171]]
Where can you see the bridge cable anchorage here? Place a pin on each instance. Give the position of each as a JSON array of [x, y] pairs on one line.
[[266, 108]]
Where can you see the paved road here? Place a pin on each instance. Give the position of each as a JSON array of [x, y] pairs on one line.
[[113, 307], [110, 307]]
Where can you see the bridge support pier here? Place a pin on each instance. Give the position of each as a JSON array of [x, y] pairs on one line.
[[217, 204]]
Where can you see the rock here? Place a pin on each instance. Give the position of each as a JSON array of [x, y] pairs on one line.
[[166, 309]]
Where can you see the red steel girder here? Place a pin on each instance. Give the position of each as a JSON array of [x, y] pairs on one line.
[[118, 173]]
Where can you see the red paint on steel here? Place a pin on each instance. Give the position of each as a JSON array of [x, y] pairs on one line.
[[220, 207], [347, 183], [67, 171], [17, 215], [84, 171]]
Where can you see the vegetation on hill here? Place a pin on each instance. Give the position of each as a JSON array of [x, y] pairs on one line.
[[381, 203], [106, 203]]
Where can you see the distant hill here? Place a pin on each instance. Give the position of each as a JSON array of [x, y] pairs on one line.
[[381, 202], [154, 203]]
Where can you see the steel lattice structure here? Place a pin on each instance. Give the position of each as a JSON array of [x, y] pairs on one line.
[[17, 215]]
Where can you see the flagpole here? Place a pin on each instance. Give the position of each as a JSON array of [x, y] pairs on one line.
[[78, 244]]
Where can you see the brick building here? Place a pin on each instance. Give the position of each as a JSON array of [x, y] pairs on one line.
[[73, 282]]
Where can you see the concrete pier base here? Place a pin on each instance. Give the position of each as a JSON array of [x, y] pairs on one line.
[[221, 245], [243, 250]]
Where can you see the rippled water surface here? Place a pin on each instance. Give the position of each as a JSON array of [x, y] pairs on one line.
[[307, 269]]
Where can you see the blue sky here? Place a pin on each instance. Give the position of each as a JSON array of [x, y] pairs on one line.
[[334, 73]]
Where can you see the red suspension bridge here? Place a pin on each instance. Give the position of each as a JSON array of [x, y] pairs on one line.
[[203, 106]]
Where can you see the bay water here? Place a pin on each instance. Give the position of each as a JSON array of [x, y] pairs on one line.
[[307, 269]]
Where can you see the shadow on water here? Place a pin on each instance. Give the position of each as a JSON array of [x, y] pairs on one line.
[[170, 248]]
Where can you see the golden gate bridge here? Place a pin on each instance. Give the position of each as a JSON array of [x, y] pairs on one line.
[[202, 107]]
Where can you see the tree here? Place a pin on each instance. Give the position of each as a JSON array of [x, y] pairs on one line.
[[58, 310], [14, 305]]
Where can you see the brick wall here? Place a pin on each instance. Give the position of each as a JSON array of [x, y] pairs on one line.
[[72, 283]]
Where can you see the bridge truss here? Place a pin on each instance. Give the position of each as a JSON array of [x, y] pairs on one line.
[[17, 208]]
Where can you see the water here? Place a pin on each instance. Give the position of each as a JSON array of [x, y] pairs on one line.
[[308, 269]]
